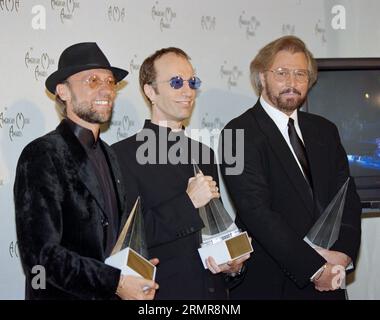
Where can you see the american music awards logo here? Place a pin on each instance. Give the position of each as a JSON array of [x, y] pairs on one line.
[[123, 126], [9, 5], [250, 24], [116, 14], [208, 23], [320, 31], [165, 16], [39, 63], [214, 127], [13, 249], [212, 124], [14, 124], [288, 29], [231, 74], [133, 65], [66, 8]]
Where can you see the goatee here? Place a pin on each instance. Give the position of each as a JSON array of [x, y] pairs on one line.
[[88, 114], [286, 104]]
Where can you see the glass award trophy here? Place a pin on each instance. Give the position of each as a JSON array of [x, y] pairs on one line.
[[221, 238], [326, 229], [130, 253]]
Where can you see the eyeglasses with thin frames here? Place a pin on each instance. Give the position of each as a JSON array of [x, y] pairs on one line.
[[177, 82], [283, 74], [94, 82]]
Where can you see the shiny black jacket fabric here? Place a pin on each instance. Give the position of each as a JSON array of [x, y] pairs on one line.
[[60, 218]]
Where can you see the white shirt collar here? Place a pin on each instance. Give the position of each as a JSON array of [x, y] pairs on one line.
[[280, 119]]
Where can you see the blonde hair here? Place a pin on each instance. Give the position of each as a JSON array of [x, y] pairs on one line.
[[265, 58], [61, 105]]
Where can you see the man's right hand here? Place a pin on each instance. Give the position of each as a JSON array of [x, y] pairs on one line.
[[136, 288], [331, 278], [201, 189]]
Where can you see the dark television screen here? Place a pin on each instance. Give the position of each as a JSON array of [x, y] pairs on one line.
[[348, 93]]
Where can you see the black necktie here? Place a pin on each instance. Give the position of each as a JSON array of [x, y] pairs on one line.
[[299, 150]]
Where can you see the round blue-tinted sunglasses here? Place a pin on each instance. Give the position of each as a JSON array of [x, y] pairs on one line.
[[177, 82]]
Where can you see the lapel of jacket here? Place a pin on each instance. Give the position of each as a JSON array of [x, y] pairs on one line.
[[284, 154], [82, 164], [316, 151]]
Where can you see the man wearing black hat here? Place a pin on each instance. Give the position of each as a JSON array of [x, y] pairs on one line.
[[68, 196]]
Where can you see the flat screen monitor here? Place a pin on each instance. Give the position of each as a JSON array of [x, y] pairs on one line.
[[348, 93]]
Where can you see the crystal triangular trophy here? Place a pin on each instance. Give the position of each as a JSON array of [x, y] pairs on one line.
[[326, 229], [130, 253], [214, 216], [221, 238]]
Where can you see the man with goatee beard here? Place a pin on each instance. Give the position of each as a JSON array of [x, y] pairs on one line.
[[69, 200], [294, 164]]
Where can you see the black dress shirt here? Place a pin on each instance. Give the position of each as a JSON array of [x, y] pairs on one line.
[[102, 171]]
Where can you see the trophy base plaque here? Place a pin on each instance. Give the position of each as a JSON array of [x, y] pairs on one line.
[[225, 247], [131, 263]]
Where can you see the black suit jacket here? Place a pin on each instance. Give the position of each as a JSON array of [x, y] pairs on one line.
[[172, 223], [274, 204], [60, 218]]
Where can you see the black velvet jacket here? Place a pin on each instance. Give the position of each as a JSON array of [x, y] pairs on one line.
[[60, 218]]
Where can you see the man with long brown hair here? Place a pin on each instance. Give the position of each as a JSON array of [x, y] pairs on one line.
[[294, 164]]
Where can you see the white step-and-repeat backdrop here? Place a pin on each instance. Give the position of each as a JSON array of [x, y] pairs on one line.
[[221, 37]]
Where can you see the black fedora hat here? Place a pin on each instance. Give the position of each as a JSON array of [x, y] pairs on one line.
[[80, 57]]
